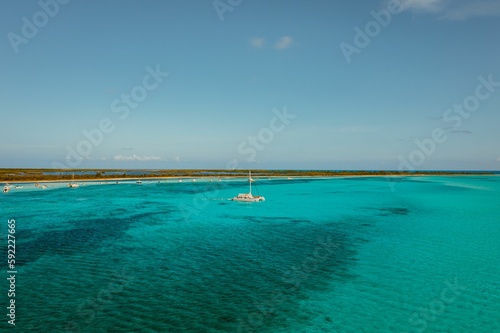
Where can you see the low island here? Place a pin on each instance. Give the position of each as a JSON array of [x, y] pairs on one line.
[[40, 175]]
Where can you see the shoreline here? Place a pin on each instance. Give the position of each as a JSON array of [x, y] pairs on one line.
[[232, 177], [40, 175]]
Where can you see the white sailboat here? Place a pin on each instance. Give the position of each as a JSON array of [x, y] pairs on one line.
[[6, 189], [248, 197], [73, 184]]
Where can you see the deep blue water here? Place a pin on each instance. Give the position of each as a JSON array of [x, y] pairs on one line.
[[355, 254]]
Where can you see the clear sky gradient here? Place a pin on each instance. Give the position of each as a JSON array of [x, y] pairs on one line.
[[268, 84]]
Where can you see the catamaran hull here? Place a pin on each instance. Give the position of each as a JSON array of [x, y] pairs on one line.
[[249, 199]]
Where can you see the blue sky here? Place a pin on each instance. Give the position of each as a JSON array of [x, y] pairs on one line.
[[267, 84]]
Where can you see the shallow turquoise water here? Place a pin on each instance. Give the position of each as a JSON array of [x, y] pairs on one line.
[[367, 254]]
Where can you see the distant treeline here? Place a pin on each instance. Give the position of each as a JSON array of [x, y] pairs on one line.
[[11, 175]]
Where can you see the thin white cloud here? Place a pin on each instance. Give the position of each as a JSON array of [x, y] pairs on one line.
[[137, 158], [257, 42], [423, 5], [352, 129], [283, 43], [474, 9], [454, 9], [177, 158]]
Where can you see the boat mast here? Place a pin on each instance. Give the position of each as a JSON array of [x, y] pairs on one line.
[[250, 180]]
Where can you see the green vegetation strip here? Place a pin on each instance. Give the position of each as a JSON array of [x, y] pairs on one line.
[[11, 175]]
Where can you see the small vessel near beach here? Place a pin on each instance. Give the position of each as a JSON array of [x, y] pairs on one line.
[[73, 184], [6, 189], [138, 182], [249, 197]]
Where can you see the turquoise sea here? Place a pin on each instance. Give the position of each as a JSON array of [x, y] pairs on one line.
[[354, 254]]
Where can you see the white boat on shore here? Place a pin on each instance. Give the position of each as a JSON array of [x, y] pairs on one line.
[[73, 184], [248, 197]]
